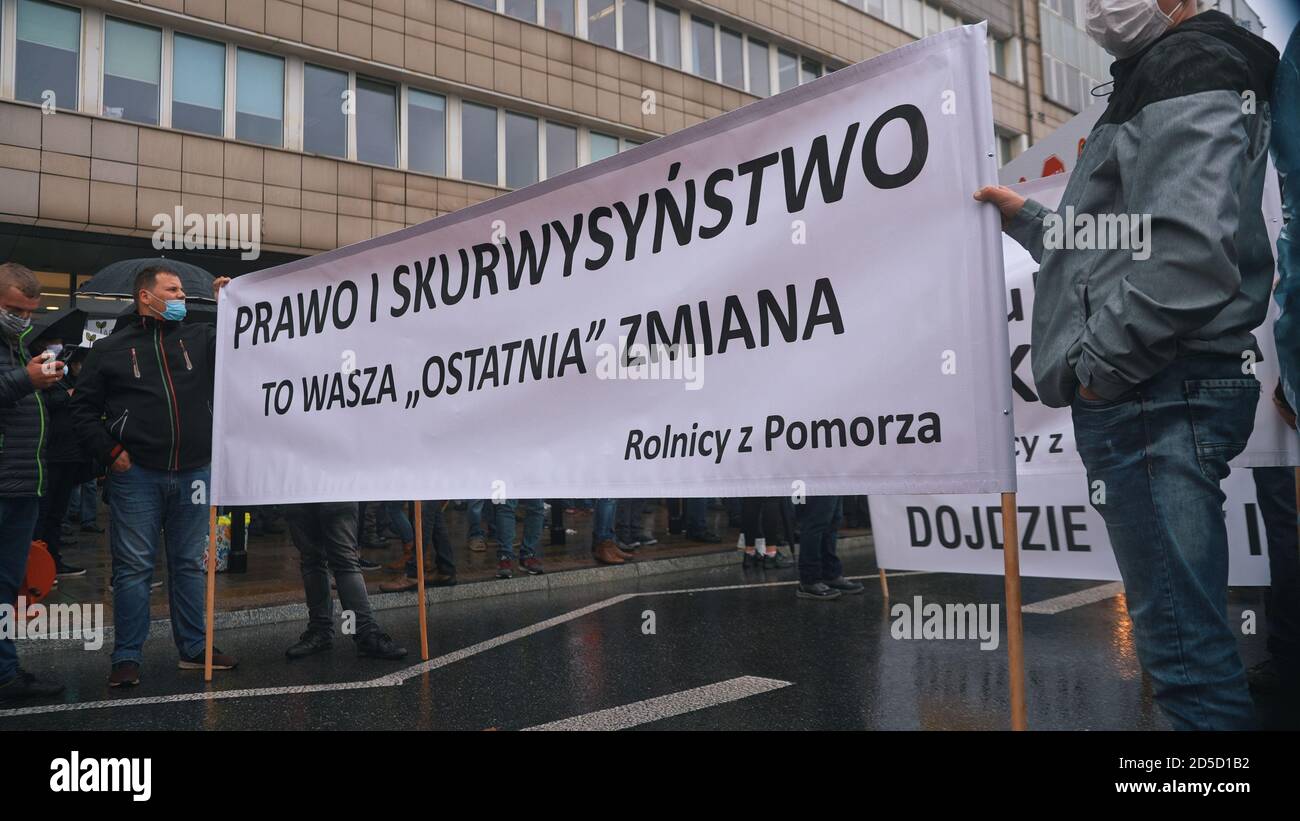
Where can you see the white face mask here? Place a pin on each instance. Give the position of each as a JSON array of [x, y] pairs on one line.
[[1125, 27]]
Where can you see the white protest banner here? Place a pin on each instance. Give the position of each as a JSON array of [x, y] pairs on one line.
[[836, 292], [1061, 535]]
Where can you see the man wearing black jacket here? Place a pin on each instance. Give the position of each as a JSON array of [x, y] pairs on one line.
[[22, 454], [144, 406]]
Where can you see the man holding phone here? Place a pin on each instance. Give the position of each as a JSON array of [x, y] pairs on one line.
[[22, 454]]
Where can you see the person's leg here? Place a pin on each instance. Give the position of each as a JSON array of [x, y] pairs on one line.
[[1154, 460], [136, 505], [306, 530], [17, 522], [1275, 491], [624, 529], [534, 522], [185, 530], [89, 509], [602, 520], [831, 567], [435, 533], [396, 512], [696, 515], [504, 516], [338, 529], [815, 517], [49, 525]]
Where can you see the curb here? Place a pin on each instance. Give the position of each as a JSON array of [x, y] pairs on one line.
[[276, 614]]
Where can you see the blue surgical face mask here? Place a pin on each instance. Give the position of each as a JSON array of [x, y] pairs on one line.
[[175, 310]]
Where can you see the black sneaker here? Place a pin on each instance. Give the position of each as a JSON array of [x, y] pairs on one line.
[[816, 591], [124, 674], [220, 661], [532, 566], [777, 561], [707, 536], [24, 686], [845, 586], [379, 645], [64, 570], [504, 569], [310, 643], [366, 565], [750, 560]]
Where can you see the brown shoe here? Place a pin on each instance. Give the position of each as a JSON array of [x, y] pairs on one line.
[[408, 554], [398, 586], [607, 552], [124, 674]]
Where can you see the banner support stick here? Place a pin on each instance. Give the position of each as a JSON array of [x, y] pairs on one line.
[[419, 581], [211, 594], [1015, 632], [884, 584]]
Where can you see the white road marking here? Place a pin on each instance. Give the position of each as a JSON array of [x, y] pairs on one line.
[[1079, 598], [673, 704], [392, 679]]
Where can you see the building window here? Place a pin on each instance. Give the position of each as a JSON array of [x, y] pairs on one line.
[[1006, 148], [760, 73], [426, 132], [376, 122], [668, 36], [558, 15], [521, 150], [324, 114], [602, 23], [703, 56], [561, 149], [910, 17], [809, 71], [733, 58], [522, 9], [132, 67], [478, 143], [602, 146], [259, 98], [490, 5], [787, 70], [198, 85], [47, 53], [636, 27]]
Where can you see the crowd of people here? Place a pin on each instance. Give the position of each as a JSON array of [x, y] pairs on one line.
[[1147, 354]]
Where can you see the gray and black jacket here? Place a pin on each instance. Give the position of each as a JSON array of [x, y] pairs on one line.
[[22, 424], [1184, 139]]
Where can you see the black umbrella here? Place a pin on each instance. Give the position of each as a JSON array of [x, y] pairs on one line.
[[193, 313], [118, 279], [66, 324]]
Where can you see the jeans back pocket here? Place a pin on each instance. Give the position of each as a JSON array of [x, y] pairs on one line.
[[1222, 412]]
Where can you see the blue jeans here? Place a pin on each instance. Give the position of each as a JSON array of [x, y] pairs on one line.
[[602, 521], [141, 502], [1275, 492], [474, 517], [85, 501], [534, 513], [818, 527], [696, 515], [396, 512], [1160, 452], [17, 522]]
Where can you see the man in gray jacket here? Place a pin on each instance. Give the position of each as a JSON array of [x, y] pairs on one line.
[[22, 460], [1148, 338]]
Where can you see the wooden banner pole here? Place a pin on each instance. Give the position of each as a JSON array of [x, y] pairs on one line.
[[419, 580], [884, 584], [1015, 632], [212, 593]]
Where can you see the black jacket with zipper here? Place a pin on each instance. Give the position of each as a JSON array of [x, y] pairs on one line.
[[147, 389], [22, 424]]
